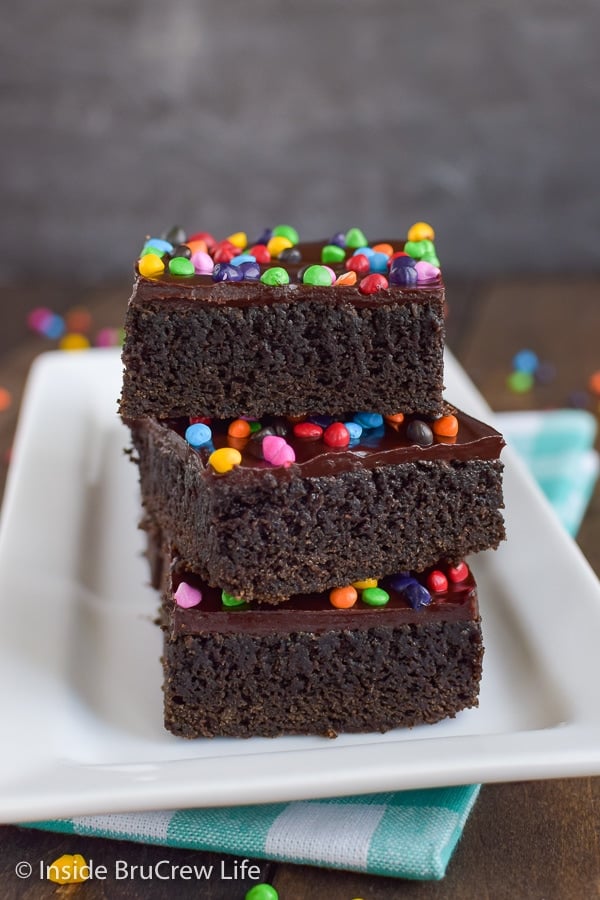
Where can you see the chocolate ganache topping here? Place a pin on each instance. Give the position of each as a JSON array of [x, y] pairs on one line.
[[384, 445], [313, 613]]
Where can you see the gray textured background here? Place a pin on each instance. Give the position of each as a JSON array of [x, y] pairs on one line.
[[121, 118]]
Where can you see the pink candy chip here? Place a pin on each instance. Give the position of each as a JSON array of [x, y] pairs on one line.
[[187, 596], [203, 263], [277, 451], [426, 273]]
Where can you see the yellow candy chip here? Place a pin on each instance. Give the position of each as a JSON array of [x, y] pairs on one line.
[[420, 231], [364, 584], [225, 459], [68, 869], [277, 244], [151, 265], [74, 341], [238, 239]]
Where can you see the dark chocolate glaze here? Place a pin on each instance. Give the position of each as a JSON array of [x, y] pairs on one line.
[[183, 290], [313, 613], [378, 447]]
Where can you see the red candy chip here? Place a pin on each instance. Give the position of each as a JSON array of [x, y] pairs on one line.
[[310, 431], [260, 252], [359, 264], [437, 582], [373, 283], [397, 254], [204, 420], [205, 236], [458, 573], [225, 251], [336, 435]]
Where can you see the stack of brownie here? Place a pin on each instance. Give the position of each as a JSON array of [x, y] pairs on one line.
[[308, 495]]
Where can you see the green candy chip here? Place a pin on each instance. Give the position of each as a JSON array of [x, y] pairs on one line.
[[232, 602], [180, 265], [355, 238], [274, 276], [317, 275], [331, 253], [286, 231], [375, 597]]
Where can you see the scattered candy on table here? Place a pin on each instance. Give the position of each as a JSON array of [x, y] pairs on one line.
[[5, 399], [262, 892]]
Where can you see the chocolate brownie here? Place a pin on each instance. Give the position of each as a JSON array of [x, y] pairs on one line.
[[197, 346], [381, 504], [309, 668]]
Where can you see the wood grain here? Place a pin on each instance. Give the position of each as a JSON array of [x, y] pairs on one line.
[[531, 840]]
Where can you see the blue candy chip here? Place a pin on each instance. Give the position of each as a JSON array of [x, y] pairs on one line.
[[250, 271], [159, 244], [198, 435], [416, 595], [368, 419], [379, 263], [354, 430], [227, 272], [401, 581], [242, 258]]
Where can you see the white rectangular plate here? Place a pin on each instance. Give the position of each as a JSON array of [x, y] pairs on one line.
[[80, 678]]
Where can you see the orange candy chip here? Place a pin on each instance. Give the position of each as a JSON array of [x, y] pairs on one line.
[[343, 597], [395, 421], [346, 278], [446, 426], [239, 428], [383, 248]]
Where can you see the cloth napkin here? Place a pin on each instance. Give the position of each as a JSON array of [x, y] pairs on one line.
[[409, 834]]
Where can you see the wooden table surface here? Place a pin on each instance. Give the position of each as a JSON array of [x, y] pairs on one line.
[[526, 840]]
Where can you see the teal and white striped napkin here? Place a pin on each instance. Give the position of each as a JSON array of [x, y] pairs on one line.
[[409, 834]]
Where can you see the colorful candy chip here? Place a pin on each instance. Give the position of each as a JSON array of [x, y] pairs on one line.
[[375, 596], [343, 597], [239, 428], [187, 596], [458, 573], [437, 582], [232, 602], [445, 426], [225, 459], [275, 276], [277, 451], [355, 238], [239, 239], [365, 583], [317, 275], [198, 435], [372, 284], [369, 419], [180, 265], [416, 595], [151, 265], [419, 432], [276, 244], [286, 231], [336, 435], [331, 253], [420, 231], [308, 431]]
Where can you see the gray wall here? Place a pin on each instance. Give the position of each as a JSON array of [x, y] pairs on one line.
[[121, 118]]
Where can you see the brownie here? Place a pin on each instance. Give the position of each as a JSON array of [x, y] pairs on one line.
[[309, 668], [194, 346], [381, 505]]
